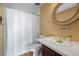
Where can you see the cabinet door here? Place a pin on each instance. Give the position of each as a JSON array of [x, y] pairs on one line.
[[48, 52]]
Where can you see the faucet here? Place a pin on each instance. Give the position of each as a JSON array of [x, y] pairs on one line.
[[62, 38]]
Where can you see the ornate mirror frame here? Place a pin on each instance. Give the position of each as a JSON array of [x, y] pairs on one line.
[[67, 22]]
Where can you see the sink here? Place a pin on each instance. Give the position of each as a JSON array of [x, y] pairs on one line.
[[55, 41]]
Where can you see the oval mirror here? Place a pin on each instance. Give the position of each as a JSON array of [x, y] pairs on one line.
[[66, 13]]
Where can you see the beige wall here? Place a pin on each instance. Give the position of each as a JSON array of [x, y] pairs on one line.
[[48, 27], [2, 30], [2, 11]]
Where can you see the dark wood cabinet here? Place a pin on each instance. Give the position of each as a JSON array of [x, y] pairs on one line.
[[48, 52]]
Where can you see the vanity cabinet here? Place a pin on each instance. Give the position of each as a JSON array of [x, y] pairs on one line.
[[48, 52]]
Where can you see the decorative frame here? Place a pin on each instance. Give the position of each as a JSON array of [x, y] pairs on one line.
[[69, 21]]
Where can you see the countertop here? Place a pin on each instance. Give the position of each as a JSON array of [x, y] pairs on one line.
[[63, 50]]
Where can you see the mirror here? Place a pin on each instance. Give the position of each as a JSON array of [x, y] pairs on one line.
[[66, 13]]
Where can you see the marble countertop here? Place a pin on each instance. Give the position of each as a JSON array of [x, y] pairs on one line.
[[61, 49]]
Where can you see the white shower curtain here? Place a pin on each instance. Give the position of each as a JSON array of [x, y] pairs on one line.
[[22, 30]]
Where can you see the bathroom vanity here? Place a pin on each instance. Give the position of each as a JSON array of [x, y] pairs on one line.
[[53, 48]]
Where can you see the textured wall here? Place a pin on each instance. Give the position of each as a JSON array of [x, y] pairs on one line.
[[48, 27], [2, 30]]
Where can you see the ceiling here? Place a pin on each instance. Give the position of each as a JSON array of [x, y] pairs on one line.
[[27, 7]]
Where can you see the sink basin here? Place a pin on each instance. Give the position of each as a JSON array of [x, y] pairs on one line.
[[65, 43]]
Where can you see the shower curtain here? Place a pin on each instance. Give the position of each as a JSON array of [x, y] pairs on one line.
[[22, 30]]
